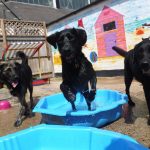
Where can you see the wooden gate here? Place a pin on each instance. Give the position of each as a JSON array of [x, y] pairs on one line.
[[29, 37]]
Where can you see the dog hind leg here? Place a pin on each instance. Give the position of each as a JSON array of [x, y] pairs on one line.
[[147, 96], [31, 105], [30, 87], [128, 81]]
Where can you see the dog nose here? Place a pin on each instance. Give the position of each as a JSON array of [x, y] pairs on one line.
[[66, 48], [16, 77], [145, 65]]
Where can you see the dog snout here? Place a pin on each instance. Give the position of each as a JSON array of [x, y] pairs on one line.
[[66, 49], [15, 78], [145, 65], [66, 52]]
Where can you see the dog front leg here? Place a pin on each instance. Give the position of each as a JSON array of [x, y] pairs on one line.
[[147, 96], [93, 82], [69, 95], [18, 121], [22, 111], [90, 92], [86, 94]]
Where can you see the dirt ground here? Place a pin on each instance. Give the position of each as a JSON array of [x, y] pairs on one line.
[[138, 129]]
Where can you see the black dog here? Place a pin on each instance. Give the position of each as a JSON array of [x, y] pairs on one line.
[[77, 71], [137, 64], [18, 77]]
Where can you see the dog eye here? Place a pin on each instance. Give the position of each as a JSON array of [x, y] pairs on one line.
[[61, 39], [5, 72], [15, 67], [8, 70], [140, 55], [70, 37]]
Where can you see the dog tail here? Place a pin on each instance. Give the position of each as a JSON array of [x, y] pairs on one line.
[[120, 51], [23, 57]]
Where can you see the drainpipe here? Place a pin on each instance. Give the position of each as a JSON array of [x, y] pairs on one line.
[[89, 1], [4, 13], [10, 10], [54, 4]]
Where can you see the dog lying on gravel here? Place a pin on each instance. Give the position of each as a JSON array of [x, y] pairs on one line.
[[137, 65], [18, 78], [77, 71]]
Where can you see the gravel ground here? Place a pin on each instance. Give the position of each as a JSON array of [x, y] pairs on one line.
[[138, 129]]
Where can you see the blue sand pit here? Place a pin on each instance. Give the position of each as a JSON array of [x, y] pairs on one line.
[[49, 137], [106, 108]]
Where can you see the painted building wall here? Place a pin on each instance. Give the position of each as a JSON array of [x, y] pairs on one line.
[[111, 22]]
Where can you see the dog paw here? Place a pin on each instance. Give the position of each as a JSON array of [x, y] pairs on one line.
[[73, 106], [89, 108], [92, 95], [129, 120], [74, 109], [31, 115], [71, 96], [18, 123], [131, 103]]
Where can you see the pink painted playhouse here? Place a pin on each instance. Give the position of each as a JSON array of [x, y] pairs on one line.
[[110, 31]]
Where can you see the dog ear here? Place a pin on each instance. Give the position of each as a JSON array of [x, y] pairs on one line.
[[146, 39], [82, 35], [135, 51], [1, 67], [52, 39], [1, 72]]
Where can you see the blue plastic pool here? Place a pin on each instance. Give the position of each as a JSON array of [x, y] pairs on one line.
[[106, 108], [49, 137]]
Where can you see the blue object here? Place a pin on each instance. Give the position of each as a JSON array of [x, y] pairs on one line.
[[49, 137], [106, 108], [93, 57]]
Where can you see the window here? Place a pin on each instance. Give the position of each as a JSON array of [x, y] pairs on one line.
[[36, 1], [40, 2], [20, 0], [31, 1], [45, 2], [93, 1], [71, 4], [109, 26]]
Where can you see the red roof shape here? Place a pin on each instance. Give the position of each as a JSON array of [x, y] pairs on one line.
[[80, 23], [108, 12]]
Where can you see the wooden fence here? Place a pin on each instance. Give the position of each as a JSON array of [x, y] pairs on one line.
[[29, 37]]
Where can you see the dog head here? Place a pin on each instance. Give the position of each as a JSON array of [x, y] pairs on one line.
[[69, 42], [142, 56], [9, 74]]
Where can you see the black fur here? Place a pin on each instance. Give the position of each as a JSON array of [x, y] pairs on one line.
[[137, 65], [18, 78], [77, 71]]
